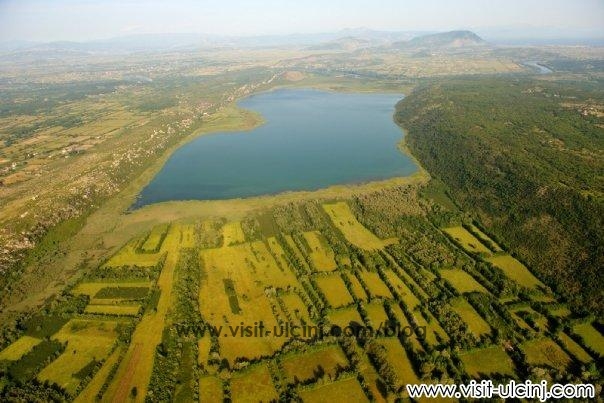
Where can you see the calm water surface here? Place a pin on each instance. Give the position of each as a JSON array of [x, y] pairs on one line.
[[312, 139]]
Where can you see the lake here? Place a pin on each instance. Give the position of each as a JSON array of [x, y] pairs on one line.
[[311, 139]]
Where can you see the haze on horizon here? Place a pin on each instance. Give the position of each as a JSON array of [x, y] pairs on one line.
[[83, 20]]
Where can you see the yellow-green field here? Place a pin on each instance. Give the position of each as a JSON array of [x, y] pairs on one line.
[[462, 281], [372, 379], [408, 297], [494, 246], [475, 323], [545, 352], [87, 340], [93, 388], [296, 308], [561, 311], [302, 367], [210, 389], [374, 283], [253, 385], [155, 238], [348, 390], [320, 253], [515, 270], [398, 359], [91, 289], [134, 370], [188, 238], [353, 231], [203, 348], [343, 317], [128, 256], [486, 362], [335, 290], [540, 321], [434, 332], [19, 348], [128, 310], [592, 338], [574, 348], [406, 327], [232, 233], [234, 288], [467, 240], [356, 287], [377, 314], [292, 245]]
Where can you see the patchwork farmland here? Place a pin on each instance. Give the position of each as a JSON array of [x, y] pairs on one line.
[[222, 309]]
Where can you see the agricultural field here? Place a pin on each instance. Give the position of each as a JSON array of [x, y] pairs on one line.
[[232, 233], [128, 310], [19, 348], [462, 281], [344, 317], [335, 290], [321, 254], [527, 317], [574, 348], [591, 336], [516, 271], [239, 281], [356, 287], [210, 389], [154, 240], [475, 322], [545, 352], [376, 314], [325, 361], [129, 256], [253, 385], [485, 363], [88, 341], [375, 285], [466, 240], [347, 390], [296, 308], [401, 288], [485, 239], [397, 357], [353, 231]]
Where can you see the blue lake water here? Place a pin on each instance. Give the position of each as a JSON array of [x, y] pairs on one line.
[[311, 139]]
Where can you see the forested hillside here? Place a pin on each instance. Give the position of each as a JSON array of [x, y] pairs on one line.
[[526, 157]]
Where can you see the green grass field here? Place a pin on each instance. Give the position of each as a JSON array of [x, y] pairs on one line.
[[303, 367], [545, 352], [253, 385], [486, 362], [348, 390], [335, 290], [515, 270], [20, 347], [476, 324], [353, 231], [574, 348], [468, 241], [592, 338], [462, 281]]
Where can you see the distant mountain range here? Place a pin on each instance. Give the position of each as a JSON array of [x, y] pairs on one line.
[[452, 39], [346, 40]]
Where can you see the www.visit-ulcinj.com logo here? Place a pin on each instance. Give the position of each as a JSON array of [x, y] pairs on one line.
[[290, 329]]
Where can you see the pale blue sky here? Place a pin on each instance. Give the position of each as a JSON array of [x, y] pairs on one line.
[[48, 20]]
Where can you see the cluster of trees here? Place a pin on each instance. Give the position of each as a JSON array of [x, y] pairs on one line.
[[524, 164]]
